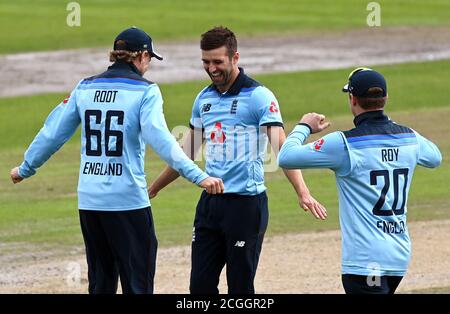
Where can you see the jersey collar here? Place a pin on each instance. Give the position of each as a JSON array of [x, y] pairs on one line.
[[237, 85], [122, 65], [376, 116]]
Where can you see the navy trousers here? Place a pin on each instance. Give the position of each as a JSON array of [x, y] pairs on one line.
[[119, 243], [356, 284], [228, 229]]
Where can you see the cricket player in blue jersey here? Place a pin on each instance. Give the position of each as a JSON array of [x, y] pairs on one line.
[[374, 165], [119, 112], [236, 116]]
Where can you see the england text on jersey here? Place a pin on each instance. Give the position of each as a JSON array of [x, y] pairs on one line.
[[102, 169], [392, 227]]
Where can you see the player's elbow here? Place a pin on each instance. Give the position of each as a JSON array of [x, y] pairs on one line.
[[435, 159], [438, 160], [432, 162], [285, 160]]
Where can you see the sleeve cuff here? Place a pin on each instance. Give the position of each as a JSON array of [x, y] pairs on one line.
[[307, 125], [301, 131], [193, 127], [26, 171], [280, 124], [202, 177]]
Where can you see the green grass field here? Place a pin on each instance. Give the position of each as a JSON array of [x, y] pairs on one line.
[[43, 209], [41, 24]]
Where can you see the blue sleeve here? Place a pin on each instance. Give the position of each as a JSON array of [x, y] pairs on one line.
[[327, 152], [428, 155], [196, 121], [267, 108], [157, 135], [59, 127]]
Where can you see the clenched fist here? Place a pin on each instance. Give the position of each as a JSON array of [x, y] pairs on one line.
[[15, 177], [212, 185], [315, 121]]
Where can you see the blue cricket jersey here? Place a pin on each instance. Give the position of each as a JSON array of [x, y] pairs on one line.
[[374, 165], [232, 124], [119, 112]]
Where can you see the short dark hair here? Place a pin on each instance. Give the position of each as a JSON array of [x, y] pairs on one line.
[[218, 37], [373, 101]]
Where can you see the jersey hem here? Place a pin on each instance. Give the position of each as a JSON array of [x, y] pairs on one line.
[[363, 271], [81, 207]]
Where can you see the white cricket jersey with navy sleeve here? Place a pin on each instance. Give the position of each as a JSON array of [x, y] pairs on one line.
[[374, 165], [233, 124], [119, 112]]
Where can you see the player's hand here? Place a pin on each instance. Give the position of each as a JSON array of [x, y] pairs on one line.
[[15, 177], [152, 192], [307, 202], [212, 185], [316, 121]]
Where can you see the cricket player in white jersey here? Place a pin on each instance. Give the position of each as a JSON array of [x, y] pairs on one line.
[[120, 112], [374, 165]]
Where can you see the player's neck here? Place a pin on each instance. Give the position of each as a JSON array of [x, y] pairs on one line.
[[233, 77]]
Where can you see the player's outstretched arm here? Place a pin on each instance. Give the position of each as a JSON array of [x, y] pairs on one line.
[[157, 135], [295, 177], [190, 147], [58, 128], [211, 185], [305, 199], [167, 176]]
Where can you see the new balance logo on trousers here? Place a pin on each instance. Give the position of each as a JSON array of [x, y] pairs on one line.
[[240, 243], [229, 230]]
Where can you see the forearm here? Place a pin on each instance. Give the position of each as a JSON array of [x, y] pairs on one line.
[[168, 149], [40, 150], [60, 125], [167, 176], [295, 177], [190, 147], [295, 140]]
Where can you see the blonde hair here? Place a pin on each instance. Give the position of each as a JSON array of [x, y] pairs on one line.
[[124, 55]]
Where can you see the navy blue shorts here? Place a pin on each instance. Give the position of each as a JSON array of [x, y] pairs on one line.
[[119, 243], [228, 229]]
